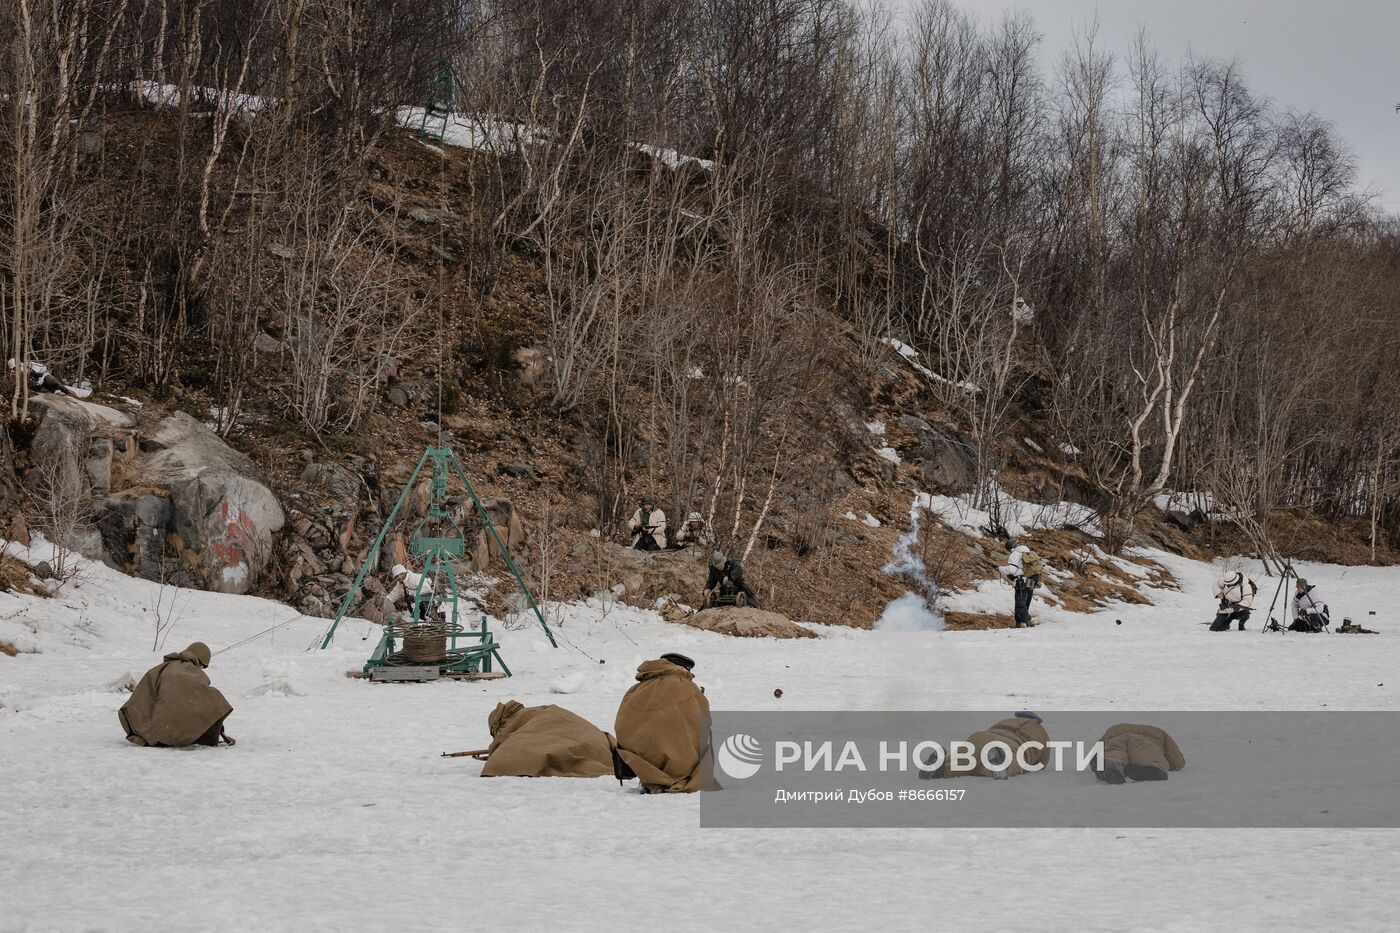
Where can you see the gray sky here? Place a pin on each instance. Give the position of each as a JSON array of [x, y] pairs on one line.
[[1338, 58]]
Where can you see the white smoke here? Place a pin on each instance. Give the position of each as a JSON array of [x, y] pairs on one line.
[[917, 609]]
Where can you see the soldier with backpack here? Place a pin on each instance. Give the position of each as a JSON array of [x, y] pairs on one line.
[[1022, 568], [1236, 594]]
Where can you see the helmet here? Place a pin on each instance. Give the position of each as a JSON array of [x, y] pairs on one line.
[[717, 559], [694, 517], [398, 570], [201, 653], [1027, 714], [1012, 544], [678, 659]]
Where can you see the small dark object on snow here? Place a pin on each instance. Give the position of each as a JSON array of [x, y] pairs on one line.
[[778, 693], [1117, 621], [1351, 628]]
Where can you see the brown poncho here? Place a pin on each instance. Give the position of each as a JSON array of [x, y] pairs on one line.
[[545, 741], [174, 705], [663, 730], [1015, 732], [1131, 744]]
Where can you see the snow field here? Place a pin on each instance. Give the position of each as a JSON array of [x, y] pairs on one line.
[[334, 811]]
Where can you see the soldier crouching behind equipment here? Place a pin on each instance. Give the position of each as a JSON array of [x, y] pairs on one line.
[[1310, 612], [725, 584]]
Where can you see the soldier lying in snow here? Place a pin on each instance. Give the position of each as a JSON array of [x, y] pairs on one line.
[[174, 705], [545, 741], [1020, 729], [1138, 753]]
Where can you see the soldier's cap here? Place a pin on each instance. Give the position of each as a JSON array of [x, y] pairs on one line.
[[679, 660], [1027, 714], [1302, 584], [398, 570], [717, 559], [201, 653], [646, 499]]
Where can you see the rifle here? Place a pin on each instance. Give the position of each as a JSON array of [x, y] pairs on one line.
[[476, 753]]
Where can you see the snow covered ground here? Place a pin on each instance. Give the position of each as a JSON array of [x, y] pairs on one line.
[[335, 811]]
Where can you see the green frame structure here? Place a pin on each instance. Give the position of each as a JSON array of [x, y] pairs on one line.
[[440, 104], [438, 540]]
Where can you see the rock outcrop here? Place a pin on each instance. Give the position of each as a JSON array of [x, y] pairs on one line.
[[646, 576], [746, 623], [220, 506]]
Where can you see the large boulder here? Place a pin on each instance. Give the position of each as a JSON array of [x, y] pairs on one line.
[[133, 525], [948, 462], [747, 622], [337, 482], [222, 509], [646, 576], [59, 449]]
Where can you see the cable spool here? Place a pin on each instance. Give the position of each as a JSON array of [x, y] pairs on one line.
[[424, 649], [426, 643]]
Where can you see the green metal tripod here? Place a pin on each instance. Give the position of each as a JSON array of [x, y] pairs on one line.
[[438, 540]]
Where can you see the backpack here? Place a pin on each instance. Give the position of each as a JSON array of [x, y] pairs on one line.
[[1031, 564]]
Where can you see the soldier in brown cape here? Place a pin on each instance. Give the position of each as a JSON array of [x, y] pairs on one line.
[[174, 705], [663, 729], [1143, 753], [1014, 732], [545, 741]]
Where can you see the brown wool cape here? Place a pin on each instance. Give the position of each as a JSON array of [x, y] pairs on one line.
[[1130, 744], [545, 741], [663, 730], [1015, 732], [174, 704]]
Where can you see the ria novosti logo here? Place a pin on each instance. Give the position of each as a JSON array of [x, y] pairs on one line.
[[740, 756]]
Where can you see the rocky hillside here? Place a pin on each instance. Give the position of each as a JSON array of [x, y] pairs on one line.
[[170, 483]]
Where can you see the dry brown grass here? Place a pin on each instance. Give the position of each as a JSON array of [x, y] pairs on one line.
[[976, 621], [18, 577], [8, 649]]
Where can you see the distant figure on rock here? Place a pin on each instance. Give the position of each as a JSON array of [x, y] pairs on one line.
[[1236, 594], [648, 526], [41, 380], [663, 729], [174, 705], [1138, 753], [1022, 568], [694, 531], [1310, 612], [725, 585]]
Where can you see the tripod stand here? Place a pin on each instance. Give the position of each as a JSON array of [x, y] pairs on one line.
[[1286, 573]]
